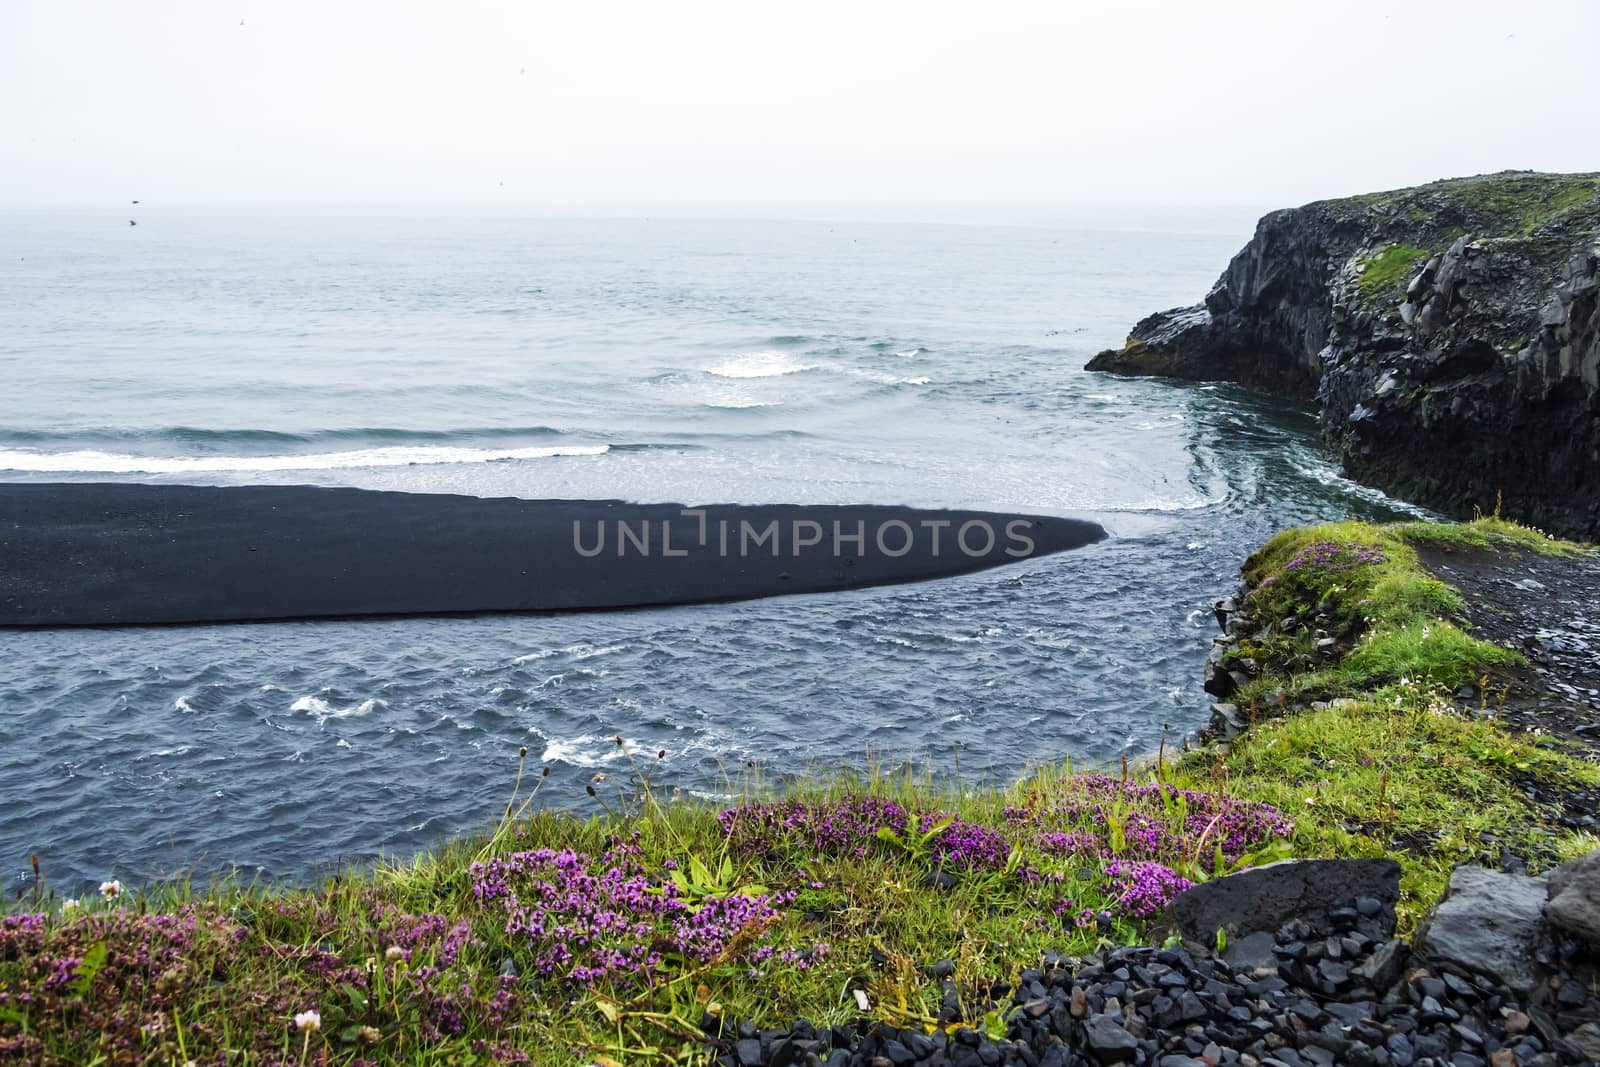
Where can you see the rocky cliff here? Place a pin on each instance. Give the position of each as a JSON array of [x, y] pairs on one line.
[[1449, 334]]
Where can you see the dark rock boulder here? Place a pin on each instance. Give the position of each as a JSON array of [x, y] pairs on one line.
[[1488, 922], [1449, 334], [1262, 898], [1575, 898]]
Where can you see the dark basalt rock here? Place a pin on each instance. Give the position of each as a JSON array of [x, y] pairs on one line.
[[1575, 898], [1328, 994], [1488, 922], [1263, 898], [1449, 334]]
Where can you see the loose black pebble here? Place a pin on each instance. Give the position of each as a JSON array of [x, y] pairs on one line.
[[1334, 997]]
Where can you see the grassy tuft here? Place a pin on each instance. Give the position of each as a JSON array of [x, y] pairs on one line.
[[1490, 532], [1387, 271]]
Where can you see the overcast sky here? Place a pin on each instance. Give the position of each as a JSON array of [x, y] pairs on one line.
[[541, 104]]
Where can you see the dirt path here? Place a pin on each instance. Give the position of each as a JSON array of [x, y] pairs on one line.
[[1547, 608]]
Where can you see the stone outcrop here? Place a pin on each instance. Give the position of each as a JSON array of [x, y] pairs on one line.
[[1259, 900], [1488, 923], [1449, 334], [1575, 898]]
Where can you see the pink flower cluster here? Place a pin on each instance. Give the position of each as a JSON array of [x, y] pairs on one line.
[[847, 826], [966, 846], [1333, 557], [1076, 821], [603, 921], [1144, 889]]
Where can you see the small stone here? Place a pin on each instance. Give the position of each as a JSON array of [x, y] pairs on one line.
[[1382, 968], [1571, 995], [1587, 1039], [1517, 1023], [1109, 1040], [1431, 987], [898, 1054]]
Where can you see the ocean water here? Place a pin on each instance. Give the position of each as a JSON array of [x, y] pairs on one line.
[[922, 363]]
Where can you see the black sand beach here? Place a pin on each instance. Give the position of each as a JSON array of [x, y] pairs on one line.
[[122, 554]]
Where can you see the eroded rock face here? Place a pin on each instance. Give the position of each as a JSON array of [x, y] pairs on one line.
[[1450, 335], [1489, 923], [1575, 898]]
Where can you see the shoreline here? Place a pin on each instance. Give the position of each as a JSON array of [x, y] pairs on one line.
[[893, 885]]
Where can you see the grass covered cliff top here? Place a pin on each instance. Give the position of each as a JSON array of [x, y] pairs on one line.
[[1547, 214], [1504, 204], [619, 938]]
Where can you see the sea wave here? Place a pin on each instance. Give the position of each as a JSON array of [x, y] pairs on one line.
[[208, 436], [93, 460], [891, 379], [586, 750], [582, 650], [323, 710], [765, 364]]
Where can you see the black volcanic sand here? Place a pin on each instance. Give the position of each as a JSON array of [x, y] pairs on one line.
[[102, 554]]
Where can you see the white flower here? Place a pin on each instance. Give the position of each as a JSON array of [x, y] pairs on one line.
[[393, 953], [308, 1021], [111, 890], [71, 904]]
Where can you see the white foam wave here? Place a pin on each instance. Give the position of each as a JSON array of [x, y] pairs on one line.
[[182, 704], [765, 364], [736, 405], [27, 459], [578, 652], [891, 379], [325, 711], [586, 750]]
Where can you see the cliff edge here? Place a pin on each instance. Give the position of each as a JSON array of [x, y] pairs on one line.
[[1449, 333]]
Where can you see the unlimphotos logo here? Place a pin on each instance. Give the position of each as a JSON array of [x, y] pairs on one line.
[[775, 538]]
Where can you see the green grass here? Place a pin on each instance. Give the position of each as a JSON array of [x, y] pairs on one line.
[[1490, 532], [1494, 206], [1519, 204], [1389, 270], [429, 962], [1399, 773]]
